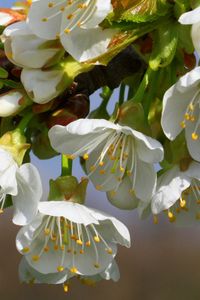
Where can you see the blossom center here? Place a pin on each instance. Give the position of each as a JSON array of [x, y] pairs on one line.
[[69, 240]]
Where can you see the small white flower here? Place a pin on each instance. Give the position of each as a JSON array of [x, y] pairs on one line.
[[75, 22], [23, 184], [193, 17], [26, 50], [10, 103], [111, 152], [67, 235], [30, 275], [181, 110], [179, 193]]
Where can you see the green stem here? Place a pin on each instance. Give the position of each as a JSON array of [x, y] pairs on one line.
[[24, 122], [143, 86], [152, 88], [66, 166], [122, 93]]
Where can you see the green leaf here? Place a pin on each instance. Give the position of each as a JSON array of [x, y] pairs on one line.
[[181, 6], [144, 11], [1, 84], [185, 39], [3, 73], [165, 45]]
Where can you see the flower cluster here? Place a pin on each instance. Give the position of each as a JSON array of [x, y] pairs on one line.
[[144, 154]]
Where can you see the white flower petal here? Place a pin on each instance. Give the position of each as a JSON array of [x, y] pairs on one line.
[[170, 187], [112, 272], [145, 181], [28, 196], [8, 168], [38, 12], [28, 274], [190, 17], [87, 44], [41, 86], [196, 36], [22, 47], [5, 18], [9, 103], [122, 197], [72, 211], [176, 100]]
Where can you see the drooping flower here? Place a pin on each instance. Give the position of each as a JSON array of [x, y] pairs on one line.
[[75, 23], [23, 184], [181, 110], [26, 50], [34, 54], [111, 152], [69, 236], [30, 275], [193, 17], [178, 192]]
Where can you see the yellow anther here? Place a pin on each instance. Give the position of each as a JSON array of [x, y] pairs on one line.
[[101, 163], [50, 4], [62, 9], [182, 124], [69, 250], [97, 239], [198, 216], [187, 116], [53, 237], [85, 156], [47, 231], [62, 247], [67, 30], [198, 201], [171, 217], [26, 250], [109, 251], [98, 187], [44, 19], [192, 118], [35, 258], [128, 173], [69, 17], [155, 219], [74, 237], [88, 244], [46, 249], [182, 203], [56, 247], [81, 251], [82, 5], [191, 107], [74, 270], [1, 211], [79, 242], [60, 268], [102, 172], [65, 288], [195, 136], [122, 169], [97, 266]]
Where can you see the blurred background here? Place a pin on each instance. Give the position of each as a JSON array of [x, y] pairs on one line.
[[163, 262]]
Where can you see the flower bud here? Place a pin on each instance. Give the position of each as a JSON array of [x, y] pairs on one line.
[[61, 117], [15, 143], [12, 102], [78, 105]]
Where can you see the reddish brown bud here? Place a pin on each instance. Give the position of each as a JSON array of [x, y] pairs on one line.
[[61, 117], [189, 60], [78, 105]]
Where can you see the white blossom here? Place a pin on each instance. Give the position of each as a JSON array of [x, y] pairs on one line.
[[111, 152]]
